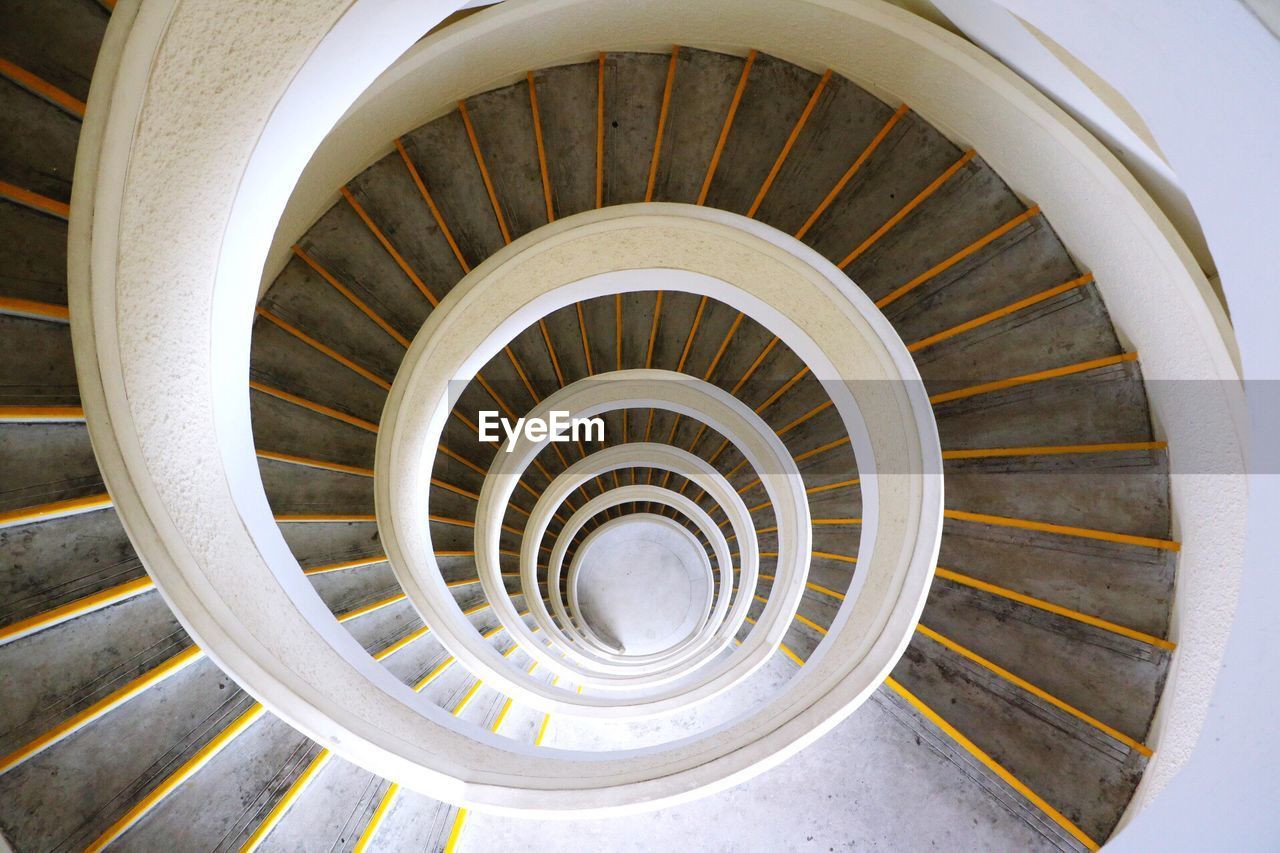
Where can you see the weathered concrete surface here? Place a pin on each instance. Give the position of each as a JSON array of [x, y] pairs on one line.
[[33, 255], [37, 368], [55, 673], [216, 807], [38, 143], [62, 53]]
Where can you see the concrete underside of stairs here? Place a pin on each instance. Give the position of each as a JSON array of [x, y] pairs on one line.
[[853, 791]]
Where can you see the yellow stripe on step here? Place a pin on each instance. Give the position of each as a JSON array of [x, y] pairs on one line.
[[35, 201], [379, 815], [1053, 450], [32, 308], [346, 564], [79, 607], [56, 509], [140, 809], [1033, 690], [1027, 378], [1062, 529], [286, 802], [372, 607], [992, 316], [315, 463], [974, 583], [101, 708], [41, 87], [304, 403], [455, 832], [41, 414], [992, 765]]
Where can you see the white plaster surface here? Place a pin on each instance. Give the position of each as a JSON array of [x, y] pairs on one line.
[[723, 622]]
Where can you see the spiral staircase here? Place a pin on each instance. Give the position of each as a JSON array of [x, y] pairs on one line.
[[1029, 685]]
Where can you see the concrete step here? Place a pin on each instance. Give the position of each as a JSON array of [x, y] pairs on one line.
[[1043, 747], [37, 368], [56, 40], [38, 147], [33, 257]]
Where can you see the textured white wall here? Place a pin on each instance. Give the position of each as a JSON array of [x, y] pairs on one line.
[[993, 28]]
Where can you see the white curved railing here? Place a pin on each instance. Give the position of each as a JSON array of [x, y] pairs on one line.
[[666, 458], [620, 390], [698, 614], [833, 328], [687, 648], [188, 197]]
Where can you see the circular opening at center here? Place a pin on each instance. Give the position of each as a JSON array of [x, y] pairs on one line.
[[643, 584]]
